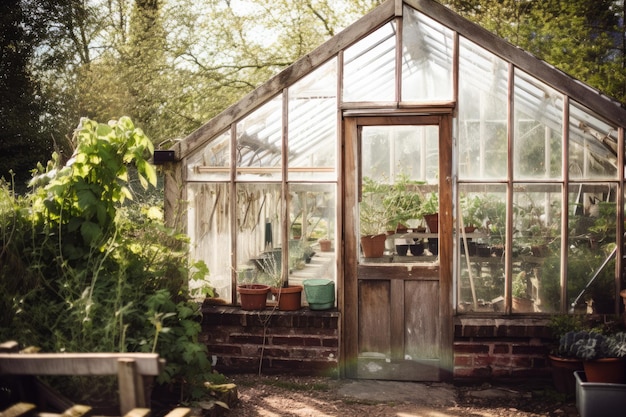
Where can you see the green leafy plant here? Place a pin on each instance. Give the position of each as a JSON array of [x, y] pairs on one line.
[[82, 270], [374, 215], [402, 200]]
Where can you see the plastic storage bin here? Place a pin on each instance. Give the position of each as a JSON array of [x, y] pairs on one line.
[[596, 399]]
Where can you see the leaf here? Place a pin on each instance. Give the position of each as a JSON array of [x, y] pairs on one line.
[[90, 232]]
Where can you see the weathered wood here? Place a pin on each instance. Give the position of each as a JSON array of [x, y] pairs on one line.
[[77, 410], [75, 363], [130, 385], [19, 409], [138, 412], [179, 412], [9, 346]]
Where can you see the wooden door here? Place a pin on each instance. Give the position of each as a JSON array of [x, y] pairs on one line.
[[398, 311]]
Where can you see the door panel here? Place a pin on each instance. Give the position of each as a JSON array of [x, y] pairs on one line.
[[396, 325]]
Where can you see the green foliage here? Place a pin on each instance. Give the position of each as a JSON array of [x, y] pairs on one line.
[[590, 345], [81, 271]]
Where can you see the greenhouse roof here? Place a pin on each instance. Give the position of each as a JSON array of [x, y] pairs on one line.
[[436, 34]]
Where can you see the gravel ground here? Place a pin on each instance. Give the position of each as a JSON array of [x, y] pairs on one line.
[[291, 396]]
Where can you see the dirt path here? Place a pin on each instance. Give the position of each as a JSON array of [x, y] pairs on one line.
[[288, 396]]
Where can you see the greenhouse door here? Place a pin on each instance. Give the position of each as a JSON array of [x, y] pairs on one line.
[[398, 306]]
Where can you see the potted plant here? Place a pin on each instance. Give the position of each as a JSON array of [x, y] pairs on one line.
[[252, 295], [563, 361], [430, 211], [602, 355], [288, 297], [374, 218], [472, 212], [402, 202], [522, 300]]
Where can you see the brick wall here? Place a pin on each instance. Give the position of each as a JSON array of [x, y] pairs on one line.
[[486, 349], [306, 342], [302, 342]]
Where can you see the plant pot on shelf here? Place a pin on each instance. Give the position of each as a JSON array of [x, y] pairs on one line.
[[325, 245], [373, 246], [289, 298], [523, 305], [253, 296], [432, 221], [417, 247]]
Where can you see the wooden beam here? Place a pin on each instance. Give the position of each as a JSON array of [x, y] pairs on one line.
[[76, 363], [19, 409]]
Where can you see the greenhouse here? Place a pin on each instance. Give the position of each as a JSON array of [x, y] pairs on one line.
[[409, 114]]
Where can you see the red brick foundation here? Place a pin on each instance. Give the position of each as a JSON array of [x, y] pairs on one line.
[[302, 342], [306, 342], [490, 349]]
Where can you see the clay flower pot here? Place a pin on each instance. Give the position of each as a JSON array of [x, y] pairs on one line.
[[253, 296], [289, 298]]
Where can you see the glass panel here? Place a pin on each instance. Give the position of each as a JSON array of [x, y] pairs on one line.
[[592, 239], [592, 145], [426, 58], [259, 254], [312, 242], [538, 129], [482, 262], [390, 151], [536, 247], [369, 67], [482, 117], [313, 125], [259, 143], [399, 183], [208, 226], [212, 162]]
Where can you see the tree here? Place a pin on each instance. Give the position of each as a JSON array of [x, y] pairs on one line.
[[22, 140], [584, 38]]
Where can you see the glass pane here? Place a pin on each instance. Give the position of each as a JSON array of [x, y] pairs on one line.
[[390, 151], [538, 129], [482, 113], [313, 125], [426, 58], [369, 67], [212, 162], [536, 247], [208, 226], [259, 143], [592, 145], [482, 261], [592, 239], [312, 235], [259, 252]]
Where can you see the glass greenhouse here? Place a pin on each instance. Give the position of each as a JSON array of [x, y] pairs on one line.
[[412, 111]]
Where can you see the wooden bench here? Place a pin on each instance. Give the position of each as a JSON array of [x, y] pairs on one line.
[[135, 372]]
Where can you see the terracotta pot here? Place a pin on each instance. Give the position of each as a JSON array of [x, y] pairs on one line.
[[432, 220], [253, 296], [605, 370], [289, 298], [373, 246], [522, 305], [325, 245], [563, 373]]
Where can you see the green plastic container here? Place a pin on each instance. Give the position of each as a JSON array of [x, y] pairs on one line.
[[320, 293]]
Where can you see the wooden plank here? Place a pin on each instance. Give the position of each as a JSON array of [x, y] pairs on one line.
[[130, 386], [138, 412], [19, 409], [77, 410], [374, 317], [179, 412], [75, 363], [9, 346]]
